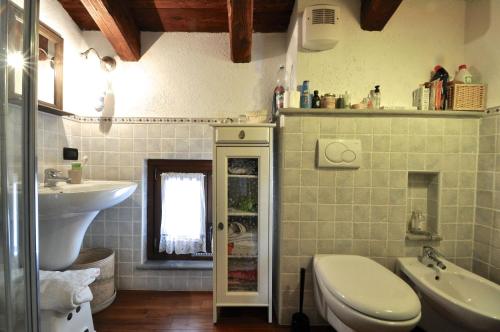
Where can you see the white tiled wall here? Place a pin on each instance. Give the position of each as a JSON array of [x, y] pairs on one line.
[[54, 133], [487, 226], [364, 211], [118, 152]]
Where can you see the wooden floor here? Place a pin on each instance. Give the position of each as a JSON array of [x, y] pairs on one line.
[[143, 311]]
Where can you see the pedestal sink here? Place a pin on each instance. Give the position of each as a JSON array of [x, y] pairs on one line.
[[66, 211]]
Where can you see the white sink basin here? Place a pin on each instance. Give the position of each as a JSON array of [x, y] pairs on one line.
[[66, 211]]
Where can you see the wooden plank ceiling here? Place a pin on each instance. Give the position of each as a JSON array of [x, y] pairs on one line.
[[189, 15], [117, 19], [121, 20]]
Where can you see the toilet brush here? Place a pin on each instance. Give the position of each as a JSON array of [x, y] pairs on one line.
[[300, 321]]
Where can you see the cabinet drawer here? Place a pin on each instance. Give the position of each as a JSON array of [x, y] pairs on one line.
[[241, 135]]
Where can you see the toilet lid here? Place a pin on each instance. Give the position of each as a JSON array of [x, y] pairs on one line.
[[367, 287]]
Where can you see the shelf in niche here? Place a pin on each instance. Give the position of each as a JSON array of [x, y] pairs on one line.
[[423, 237]]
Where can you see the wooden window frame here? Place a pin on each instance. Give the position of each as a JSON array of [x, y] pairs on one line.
[[155, 167]]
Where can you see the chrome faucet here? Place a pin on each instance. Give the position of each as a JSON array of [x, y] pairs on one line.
[[430, 258], [52, 176]]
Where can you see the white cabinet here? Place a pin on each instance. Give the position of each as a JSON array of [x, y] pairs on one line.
[[242, 216]]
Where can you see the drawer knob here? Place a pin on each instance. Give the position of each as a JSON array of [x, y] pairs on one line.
[[220, 226], [241, 134]]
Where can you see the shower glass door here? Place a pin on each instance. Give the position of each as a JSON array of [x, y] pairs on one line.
[[18, 254]]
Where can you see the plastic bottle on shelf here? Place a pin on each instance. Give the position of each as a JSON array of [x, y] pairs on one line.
[[347, 99], [316, 100], [463, 75], [279, 91], [376, 97], [305, 97]]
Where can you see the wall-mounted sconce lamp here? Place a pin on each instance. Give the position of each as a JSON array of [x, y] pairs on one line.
[[102, 84], [107, 62]]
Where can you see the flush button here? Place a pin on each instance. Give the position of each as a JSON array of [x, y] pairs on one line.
[[348, 156], [334, 152], [339, 153]]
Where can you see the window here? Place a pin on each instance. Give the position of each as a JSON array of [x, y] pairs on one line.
[[179, 209]]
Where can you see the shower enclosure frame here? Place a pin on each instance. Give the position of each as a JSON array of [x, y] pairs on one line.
[[28, 204]]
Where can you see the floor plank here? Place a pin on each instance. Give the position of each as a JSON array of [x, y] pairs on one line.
[[146, 311]]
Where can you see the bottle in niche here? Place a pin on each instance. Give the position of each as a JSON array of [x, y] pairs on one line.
[[316, 100], [421, 222], [413, 226]]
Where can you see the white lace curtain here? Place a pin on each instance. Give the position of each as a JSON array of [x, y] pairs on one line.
[[183, 213]]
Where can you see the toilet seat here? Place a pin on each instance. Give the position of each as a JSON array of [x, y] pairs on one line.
[[360, 296], [367, 287]]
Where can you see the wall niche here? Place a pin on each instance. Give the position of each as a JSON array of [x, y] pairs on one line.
[[423, 202]]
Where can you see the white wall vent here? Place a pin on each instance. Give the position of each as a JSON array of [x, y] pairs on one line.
[[320, 27], [323, 16]]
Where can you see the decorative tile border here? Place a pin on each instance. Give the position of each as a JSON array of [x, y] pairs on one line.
[[146, 120]]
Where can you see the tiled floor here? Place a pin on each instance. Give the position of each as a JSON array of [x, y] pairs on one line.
[[145, 311]]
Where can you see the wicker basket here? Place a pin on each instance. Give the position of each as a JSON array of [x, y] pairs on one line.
[[257, 117], [103, 288], [466, 97]]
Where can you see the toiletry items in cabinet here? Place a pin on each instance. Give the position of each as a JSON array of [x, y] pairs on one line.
[[242, 214]]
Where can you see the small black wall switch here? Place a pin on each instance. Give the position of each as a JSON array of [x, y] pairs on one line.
[[70, 154]]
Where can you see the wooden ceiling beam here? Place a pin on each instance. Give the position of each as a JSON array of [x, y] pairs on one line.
[[376, 13], [116, 23], [177, 4], [240, 17]]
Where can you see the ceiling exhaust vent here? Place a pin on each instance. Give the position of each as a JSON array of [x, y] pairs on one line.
[[320, 27], [323, 16]]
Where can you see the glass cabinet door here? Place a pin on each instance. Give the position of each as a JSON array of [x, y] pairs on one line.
[[242, 216], [242, 224]]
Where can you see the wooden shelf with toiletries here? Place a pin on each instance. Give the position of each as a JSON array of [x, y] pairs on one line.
[[377, 112]]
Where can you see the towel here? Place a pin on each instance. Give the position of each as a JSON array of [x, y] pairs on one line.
[[64, 291]]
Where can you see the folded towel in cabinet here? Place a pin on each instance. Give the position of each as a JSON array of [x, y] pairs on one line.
[[64, 291]]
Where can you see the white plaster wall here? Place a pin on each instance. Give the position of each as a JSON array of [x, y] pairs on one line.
[[421, 34], [53, 15], [191, 75], [292, 48], [482, 34]]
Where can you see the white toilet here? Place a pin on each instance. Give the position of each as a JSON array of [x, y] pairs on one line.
[[356, 294]]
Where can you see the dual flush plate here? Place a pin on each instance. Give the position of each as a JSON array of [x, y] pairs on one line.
[[339, 153]]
